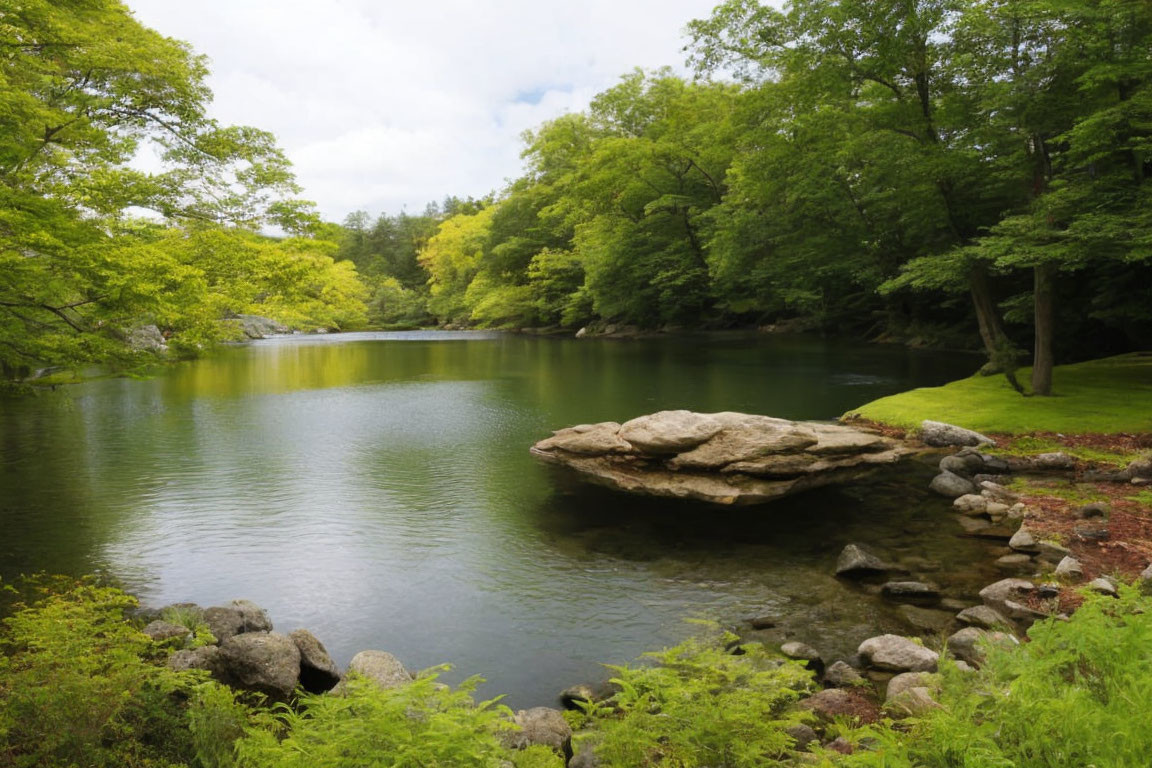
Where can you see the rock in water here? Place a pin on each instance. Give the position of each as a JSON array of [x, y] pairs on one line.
[[952, 485], [380, 667], [722, 458], [318, 673], [855, 561]]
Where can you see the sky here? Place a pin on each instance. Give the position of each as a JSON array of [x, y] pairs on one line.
[[384, 106]]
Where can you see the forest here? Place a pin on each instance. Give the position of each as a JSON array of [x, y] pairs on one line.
[[957, 173]]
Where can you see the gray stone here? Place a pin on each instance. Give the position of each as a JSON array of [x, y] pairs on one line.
[[970, 504], [1103, 586], [594, 439], [854, 560], [764, 621], [257, 327], [994, 490], [1144, 580], [380, 667], [951, 485], [585, 693], [997, 596], [956, 465], [927, 619], [1053, 461], [253, 617], [318, 673], [585, 758], [1014, 562], [1024, 541], [160, 631], [914, 702], [1069, 568], [802, 735], [910, 591], [974, 525], [669, 431], [841, 675], [939, 434], [223, 622], [982, 616], [894, 653], [206, 657], [1141, 468], [265, 662], [1093, 530], [540, 726], [1052, 552], [965, 645], [147, 338], [1094, 509], [908, 680], [803, 652]]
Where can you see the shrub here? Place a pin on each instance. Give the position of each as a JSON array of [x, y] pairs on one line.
[[700, 705]]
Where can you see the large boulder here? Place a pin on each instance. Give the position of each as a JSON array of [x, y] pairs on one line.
[[723, 458], [941, 435], [380, 667], [236, 618], [318, 673], [265, 662], [893, 653]]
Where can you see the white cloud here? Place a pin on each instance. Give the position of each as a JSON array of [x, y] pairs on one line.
[[382, 105]]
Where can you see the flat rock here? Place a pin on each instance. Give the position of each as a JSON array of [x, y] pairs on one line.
[[910, 592], [983, 617], [894, 653], [722, 458], [940, 434]]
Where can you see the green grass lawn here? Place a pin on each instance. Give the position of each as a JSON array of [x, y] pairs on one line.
[[1107, 396]]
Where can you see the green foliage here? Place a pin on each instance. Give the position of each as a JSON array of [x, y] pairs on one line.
[[698, 704], [1108, 395], [1076, 694], [423, 724], [80, 685]]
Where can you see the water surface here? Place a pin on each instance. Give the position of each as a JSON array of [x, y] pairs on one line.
[[377, 489]]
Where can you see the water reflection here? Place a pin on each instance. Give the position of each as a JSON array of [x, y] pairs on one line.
[[376, 489]]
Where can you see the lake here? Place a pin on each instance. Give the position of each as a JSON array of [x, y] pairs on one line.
[[377, 489]]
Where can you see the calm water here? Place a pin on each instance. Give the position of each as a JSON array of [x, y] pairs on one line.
[[377, 489]]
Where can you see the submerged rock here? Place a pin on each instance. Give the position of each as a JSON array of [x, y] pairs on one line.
[[722, 458]]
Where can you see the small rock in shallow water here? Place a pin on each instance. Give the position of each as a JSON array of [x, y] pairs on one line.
[[1015, 562], [970, 504], [855, 560], [764, 621], [982, 616], [951, 485], [804, 652], [927, 619], [910, 592]]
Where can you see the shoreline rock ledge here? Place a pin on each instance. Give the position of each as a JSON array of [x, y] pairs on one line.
[[722, 458]]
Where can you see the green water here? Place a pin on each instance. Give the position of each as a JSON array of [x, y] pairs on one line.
[[377, 489]]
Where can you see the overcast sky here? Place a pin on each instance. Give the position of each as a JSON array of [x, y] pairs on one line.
[[384, 105]]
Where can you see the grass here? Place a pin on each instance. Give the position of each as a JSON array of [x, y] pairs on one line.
[[1110, 395]]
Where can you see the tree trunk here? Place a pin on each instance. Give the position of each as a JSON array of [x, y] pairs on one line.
[[991, 332], [1045, 276]]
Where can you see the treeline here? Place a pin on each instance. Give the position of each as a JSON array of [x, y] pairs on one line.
[[91, 247], [918, 170]]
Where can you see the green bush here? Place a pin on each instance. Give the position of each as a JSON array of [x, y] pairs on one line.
[[1078, 694], [420, 725], [700, 705], [80, 685]]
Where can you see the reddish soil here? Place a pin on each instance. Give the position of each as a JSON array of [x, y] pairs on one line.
[[1125, 552], [1117, 443]]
